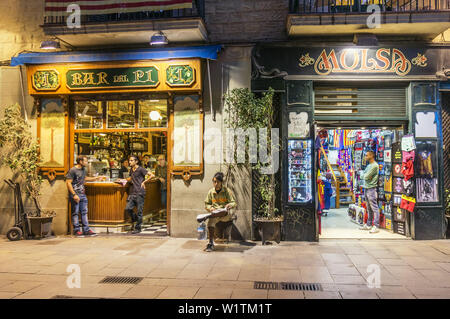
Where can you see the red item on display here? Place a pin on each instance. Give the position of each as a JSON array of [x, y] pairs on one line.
[[408, 203], [408, 169]]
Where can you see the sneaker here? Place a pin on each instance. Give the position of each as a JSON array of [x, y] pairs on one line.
[[374, 230], [90, 233], [365, 227], [78, 234], [209, 248], [136, 231]]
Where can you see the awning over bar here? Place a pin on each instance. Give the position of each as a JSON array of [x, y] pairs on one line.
[[205, 52]]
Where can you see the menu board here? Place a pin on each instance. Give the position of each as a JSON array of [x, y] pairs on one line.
[[299, 171]]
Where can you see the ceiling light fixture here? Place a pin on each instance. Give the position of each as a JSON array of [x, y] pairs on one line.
[[50, 45], [155, 116], [158, 39]]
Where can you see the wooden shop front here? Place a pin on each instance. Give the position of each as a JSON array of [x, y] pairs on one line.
[[111, 110]]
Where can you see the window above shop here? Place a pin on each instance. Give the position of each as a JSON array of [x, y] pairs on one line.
[[121, 114]]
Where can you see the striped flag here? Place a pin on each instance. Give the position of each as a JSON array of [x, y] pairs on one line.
[[58, 8]]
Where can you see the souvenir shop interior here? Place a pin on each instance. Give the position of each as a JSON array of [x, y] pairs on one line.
[[340, 163]]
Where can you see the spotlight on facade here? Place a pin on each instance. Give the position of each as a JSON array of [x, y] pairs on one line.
[[50, 45], [158, 39]]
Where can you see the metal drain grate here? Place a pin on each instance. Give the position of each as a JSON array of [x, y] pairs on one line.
[[287, 286], [121, 280], [266, 285], [300, 286]]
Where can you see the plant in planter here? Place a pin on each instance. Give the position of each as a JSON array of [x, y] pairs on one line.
[[19, 152], [247, 111]]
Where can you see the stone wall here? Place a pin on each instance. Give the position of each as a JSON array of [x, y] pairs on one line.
[[20, 30], [231, 70], [246, 20]]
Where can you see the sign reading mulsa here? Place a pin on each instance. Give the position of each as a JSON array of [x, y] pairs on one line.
[[315, 61], [112, 78]]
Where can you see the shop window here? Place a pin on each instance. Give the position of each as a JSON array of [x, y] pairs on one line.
[[152, 113], [88, 115], [187, 154], [424, 93], [107, 151], [120, 114]]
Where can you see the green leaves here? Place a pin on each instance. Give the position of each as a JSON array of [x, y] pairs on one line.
[[18, 149], [245, 110]]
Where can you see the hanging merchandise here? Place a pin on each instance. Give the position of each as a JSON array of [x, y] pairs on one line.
[[399, 215], [424, 164], [408, 187], [397, 170], [388, 183], [408, 143], [398, 185], [406, 156], [408, 169], [397, 199], [408, 203], [426, 190]]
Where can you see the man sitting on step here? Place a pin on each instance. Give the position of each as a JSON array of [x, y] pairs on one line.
[[219, 199]]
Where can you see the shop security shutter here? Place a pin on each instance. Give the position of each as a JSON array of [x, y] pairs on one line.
[[360, 103]]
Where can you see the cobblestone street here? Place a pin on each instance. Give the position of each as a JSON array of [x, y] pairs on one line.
[[178, 268]]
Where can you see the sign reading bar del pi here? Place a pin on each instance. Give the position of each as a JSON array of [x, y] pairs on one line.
[[112, 78], [271, 62]]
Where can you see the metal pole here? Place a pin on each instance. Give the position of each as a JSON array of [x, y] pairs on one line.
[[210, 91], [23, 95]]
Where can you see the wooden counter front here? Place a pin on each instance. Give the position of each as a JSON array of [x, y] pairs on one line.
[[107, 201]]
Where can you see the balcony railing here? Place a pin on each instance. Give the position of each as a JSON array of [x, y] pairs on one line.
[[197, 11], [360, 6]]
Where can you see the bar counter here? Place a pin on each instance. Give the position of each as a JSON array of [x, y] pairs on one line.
[[107, 201]]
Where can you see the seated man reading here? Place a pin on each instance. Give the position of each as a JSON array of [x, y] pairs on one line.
[[219, 198]]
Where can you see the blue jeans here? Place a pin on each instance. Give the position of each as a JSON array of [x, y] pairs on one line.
[[79, 208], [164, 198], [137, 201], [372, 206]]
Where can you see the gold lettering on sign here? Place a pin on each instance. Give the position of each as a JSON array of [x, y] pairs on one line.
[[355, 59], [382, 58], [123, 78], [88, 78], [139, 75], [102, 78], [76, 79], [400, 64], [384, 61], [326, 63]]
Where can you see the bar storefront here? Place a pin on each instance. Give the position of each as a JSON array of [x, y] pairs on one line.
[[109, 110]]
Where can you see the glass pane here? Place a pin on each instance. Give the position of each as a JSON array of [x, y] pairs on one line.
[[120, 114], [107, 152], [88, 114], [152, 113], [52, 137], [186, 146], [299, 170]]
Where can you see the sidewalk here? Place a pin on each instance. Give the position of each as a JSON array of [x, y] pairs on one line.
[[178, 268]]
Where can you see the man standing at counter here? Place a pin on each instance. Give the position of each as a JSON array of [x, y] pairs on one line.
[[136, 196], [161, 175], [75, 180]]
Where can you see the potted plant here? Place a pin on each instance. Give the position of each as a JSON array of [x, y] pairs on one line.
[[247, 111], [19, 152]]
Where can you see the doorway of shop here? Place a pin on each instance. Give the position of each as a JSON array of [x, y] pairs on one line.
[[340, 150]]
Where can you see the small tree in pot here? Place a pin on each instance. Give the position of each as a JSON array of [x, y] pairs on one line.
[[19, 152], [247, 111]]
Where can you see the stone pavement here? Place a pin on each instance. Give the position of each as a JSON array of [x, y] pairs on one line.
[[178, 268]]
